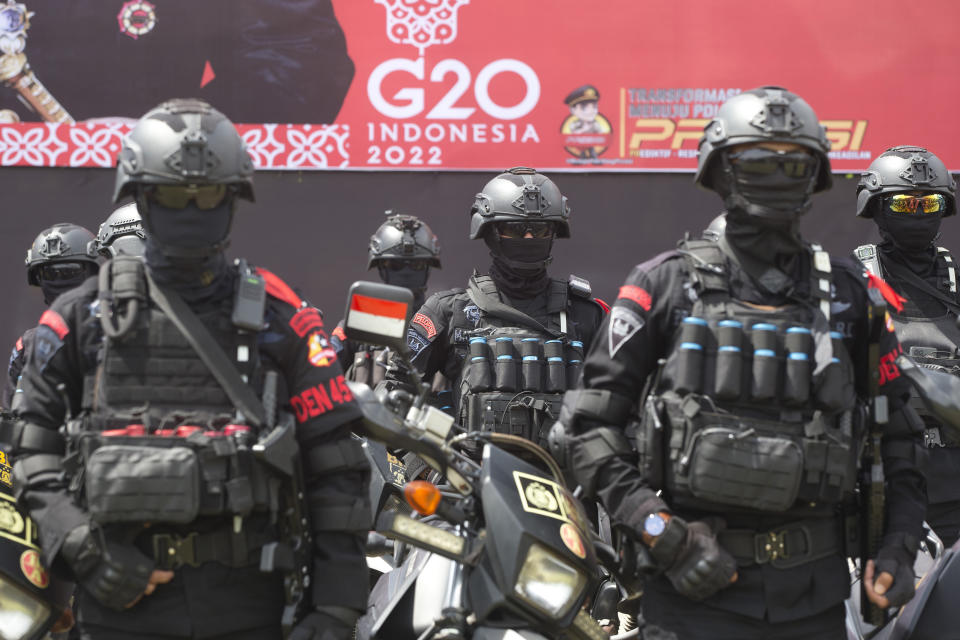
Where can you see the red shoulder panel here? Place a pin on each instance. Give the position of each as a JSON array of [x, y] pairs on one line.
[[893, 298], [279, 289], [56, 322], [603, 305], [19, 345]]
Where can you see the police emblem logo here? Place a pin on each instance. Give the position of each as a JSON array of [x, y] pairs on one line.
[[137, 18], [623, 324], [472, 313], [10, 519], [415, 342], [320, 354], [33, 570], [540, 496]]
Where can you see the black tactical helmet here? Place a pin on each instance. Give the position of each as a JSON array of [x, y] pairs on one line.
[[516, 195], [121, 233], [30, 601], [183, 141], [905, 168], [765, 114], [63, 242], [403, 237]]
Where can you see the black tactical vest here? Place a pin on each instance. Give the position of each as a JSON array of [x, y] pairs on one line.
[[754, 407], [515, 371], [931, 342]]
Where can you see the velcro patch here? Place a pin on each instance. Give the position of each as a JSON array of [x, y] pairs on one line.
[[424, 321], [415, 341], [636, 294], [623, 324]]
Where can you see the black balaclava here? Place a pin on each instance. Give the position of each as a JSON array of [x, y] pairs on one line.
[[909, 239], [52, 289], [184, 249], [775, 195], [519, 266], [413, 279]]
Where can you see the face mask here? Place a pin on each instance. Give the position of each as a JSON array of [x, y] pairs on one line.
[[53, 289], [190, 227], [405, 277], [910, 234], [769, 184], [523, 255]]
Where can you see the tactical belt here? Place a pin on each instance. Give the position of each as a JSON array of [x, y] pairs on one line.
[[171, 551], [792, 545]]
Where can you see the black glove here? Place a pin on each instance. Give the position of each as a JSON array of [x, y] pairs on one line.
[[692, 559], [326, 623], [114, 573], [896, 557]]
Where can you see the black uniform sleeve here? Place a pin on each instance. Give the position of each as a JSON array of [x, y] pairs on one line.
[[902, 445], [630, 340], [335, 470], [345, 348], [14, 369], [52, 385], [428, 336]]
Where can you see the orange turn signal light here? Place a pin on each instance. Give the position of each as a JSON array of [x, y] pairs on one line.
[[422, 496]]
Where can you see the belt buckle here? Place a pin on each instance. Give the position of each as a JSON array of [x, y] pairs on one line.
[[770, 547], [173, 551]]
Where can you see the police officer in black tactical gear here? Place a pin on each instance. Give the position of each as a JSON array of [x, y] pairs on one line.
[[403, 249], [907, 191], [121, 233], [186, 384], [513, 340], [754, 347], [59, 259]]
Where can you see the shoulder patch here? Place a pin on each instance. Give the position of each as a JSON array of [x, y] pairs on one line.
[[424, 321], [279, 289], [893, 298], [636, 294], [306, 320], [55, 321], [623, 324], [19, 345]]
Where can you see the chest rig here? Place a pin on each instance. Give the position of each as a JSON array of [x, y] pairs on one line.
[[754, 406], [515, 369], [930, 342]]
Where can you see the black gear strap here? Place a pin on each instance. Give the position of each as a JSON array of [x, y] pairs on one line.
[[494, 307], [20, 435], [599, 405], [788, 546], [224, 546], [30, 467]]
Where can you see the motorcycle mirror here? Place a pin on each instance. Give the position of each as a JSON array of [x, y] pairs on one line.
[[378, 313], [422, 496]]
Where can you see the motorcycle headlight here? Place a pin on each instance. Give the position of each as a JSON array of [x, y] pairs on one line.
[[21, 614], [547, 582]]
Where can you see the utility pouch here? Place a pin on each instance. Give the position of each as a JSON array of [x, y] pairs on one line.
[[506, 375], [650, 443], [739, 467], [530, 365], [574, 363], [479, 375], [556, 378], [128, 483]]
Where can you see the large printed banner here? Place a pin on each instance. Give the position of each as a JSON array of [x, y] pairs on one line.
[[617, 85]]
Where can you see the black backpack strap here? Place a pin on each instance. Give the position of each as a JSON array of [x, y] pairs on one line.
[[908, 276], [949, 268], [173, 306], [821, 278]]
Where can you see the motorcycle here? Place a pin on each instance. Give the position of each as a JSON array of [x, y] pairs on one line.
[[501, 551]]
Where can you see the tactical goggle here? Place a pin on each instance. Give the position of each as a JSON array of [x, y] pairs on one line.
[[521, 229], [61, 271], [906, 203], [412, 265], [178, 196], [758, 161]]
